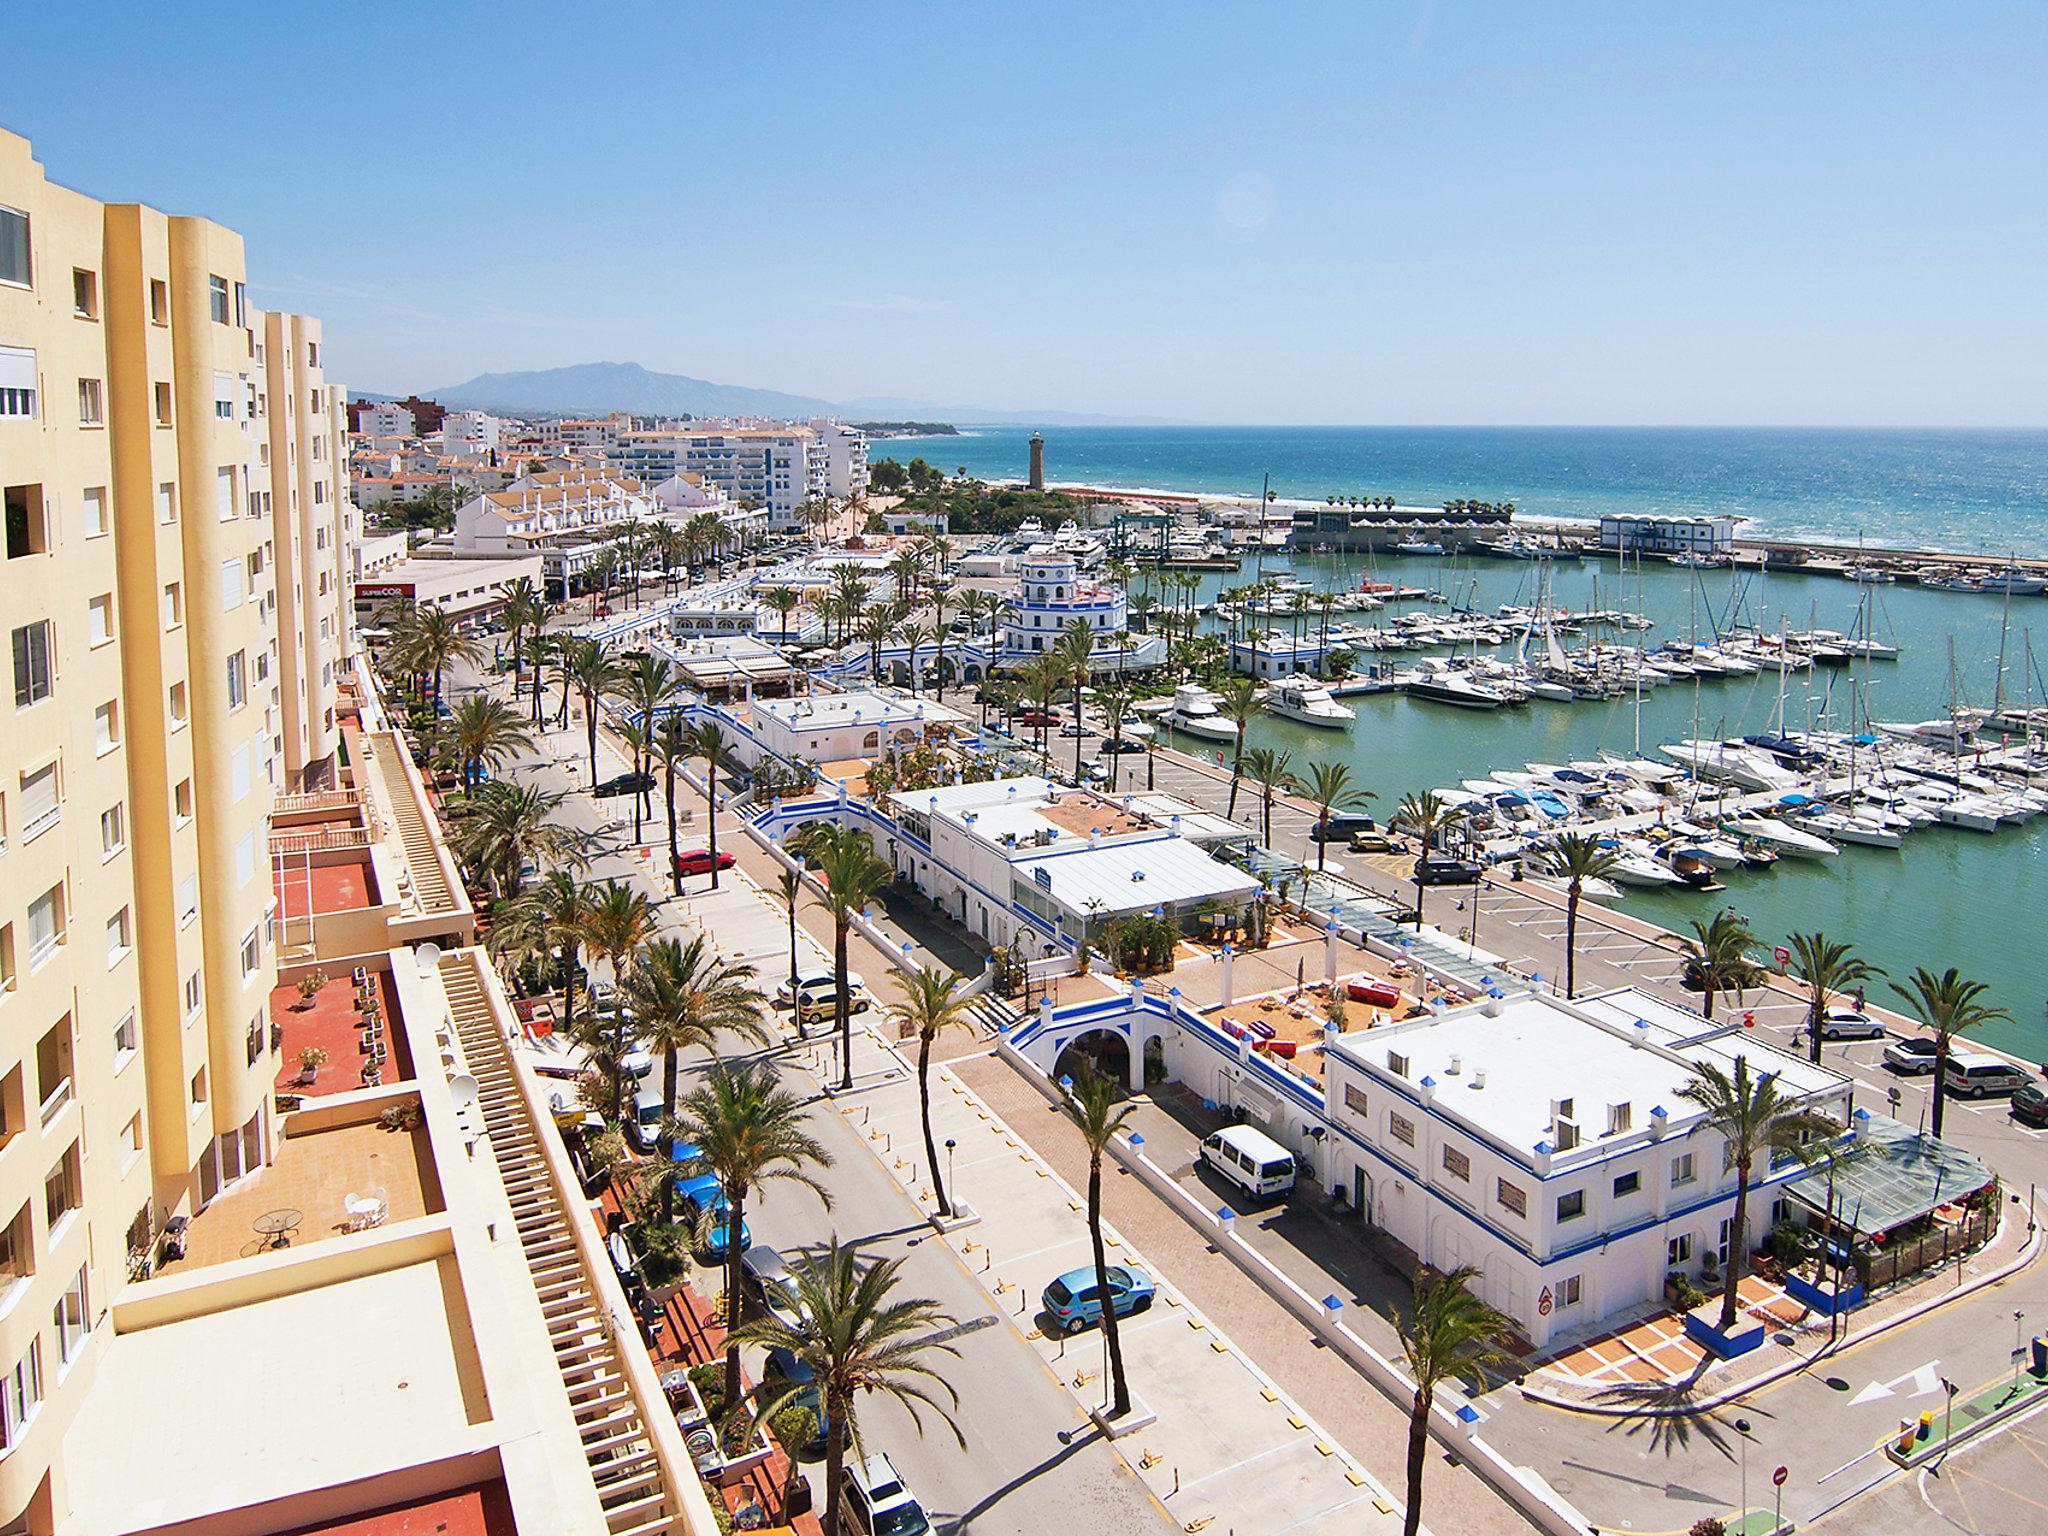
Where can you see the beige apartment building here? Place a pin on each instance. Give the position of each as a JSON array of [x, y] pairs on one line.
[[161, 513]]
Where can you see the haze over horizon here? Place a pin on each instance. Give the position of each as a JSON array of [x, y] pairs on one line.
[[1421, 214]]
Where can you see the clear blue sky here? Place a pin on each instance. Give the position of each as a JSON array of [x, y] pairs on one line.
[[1403, 212]]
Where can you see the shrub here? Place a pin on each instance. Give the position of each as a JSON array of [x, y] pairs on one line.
[[400, 1117], [312, 1058], [1684, 1294], [1140, 943], [310, 985], [1709, 1526], [794, 1428]]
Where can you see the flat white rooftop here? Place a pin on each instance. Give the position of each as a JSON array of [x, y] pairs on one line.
[[1134, 874], [824, 711]]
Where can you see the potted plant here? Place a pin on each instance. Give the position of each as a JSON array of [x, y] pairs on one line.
[[311, 1059], [400, 1117], [309, 988]]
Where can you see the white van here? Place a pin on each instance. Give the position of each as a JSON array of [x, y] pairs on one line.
[[1250, 1159], [643, 1125], [1972, 1074]]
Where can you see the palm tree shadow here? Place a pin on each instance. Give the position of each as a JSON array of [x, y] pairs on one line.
[[1674, 1422], [960, 1522]]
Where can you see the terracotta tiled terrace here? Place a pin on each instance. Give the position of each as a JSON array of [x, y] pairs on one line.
[[334, 1023], [485, 1510], [304, 892], [1655, 1348]]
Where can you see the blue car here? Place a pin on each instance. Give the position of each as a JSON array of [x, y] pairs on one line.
[[704, 1196], [784, 1368], [1073, 1302]]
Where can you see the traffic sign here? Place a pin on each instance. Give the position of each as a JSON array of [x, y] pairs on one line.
[[1778, 1477], [1782, 955]]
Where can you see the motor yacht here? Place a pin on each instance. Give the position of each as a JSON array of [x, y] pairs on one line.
[[1308, 701], [1782, 837], [1193, 713]]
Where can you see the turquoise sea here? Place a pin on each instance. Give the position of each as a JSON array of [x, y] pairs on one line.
[[1949, 897], [1966, 491]]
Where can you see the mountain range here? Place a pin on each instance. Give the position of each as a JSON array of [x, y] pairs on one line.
[[630, 387]]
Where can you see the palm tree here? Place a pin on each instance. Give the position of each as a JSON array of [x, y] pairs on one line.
[[914, 635], [524, 608], [647, 687], [589, 667], [436, 644], [616, 920], [931, 1003], [1075, 649], [682, 997], [782, 602], [942, 599], [850, 875], [503, 827], [1090, 1102], [1044, 676], [639, 743], [1825, 966], [877, 629], [1330, 787], [1236, 703], [856, 1338], [707, 740], [1268, 767], [1576, 858], [1424, 817], [1717, 955], [789, 885], [479, 734], [749, 1130], [672, 745], [1949, 1005], [1753, 1119], [1115, 700], [1449, 1335], [544, 921]]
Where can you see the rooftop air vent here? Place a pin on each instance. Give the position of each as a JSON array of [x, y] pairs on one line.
[[1567, 1132], [1397, 1064], [1457, 1065]]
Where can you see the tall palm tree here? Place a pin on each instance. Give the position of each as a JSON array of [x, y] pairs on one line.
[[789, 885], [1090, 1101], [616, 920], [1075, 649], [1753, 1119], [1424, 817], [672, 746], [931, 1003], [1448, 1335], [858, 1339], [480, 734], [1329, 786], [1576, 858], [749, 1130], [639, 744], [646, 688], [543, 922], [524, 609], [1115, 700], [1269, 768], [707, 740], [877, 629], [942, 599], [1236, 702], [1949, 1005], [587, 665], [1825, 966], [682, 997], [850, 875], [1044, 675], [1718, 956], [782, 602], [503, 827], [914, 635], [437, 644]]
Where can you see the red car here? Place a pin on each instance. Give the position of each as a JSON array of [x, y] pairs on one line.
[[701, 861], [1036, 717]]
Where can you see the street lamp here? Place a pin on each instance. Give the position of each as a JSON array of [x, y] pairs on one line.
[[1742, 1429], [952, 1184], [2019, 1347]]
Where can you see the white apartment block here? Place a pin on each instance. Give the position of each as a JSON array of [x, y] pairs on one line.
[[846, 458], [391, 420], [469, 434], [564, 517], [779, 467], [588, 435]]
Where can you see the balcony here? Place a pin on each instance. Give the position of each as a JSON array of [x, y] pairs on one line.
[[54, 1102]]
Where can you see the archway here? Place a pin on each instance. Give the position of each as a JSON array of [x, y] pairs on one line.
[[1155, 1060], [1102, 1050], [971, 673]]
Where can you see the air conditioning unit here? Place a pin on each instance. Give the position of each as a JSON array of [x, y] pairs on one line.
[[1619, 1118], [1397, 1064], [1566, 1135]]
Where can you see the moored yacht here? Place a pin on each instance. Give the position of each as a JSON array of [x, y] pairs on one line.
[[1193, 713], [1304, 699]]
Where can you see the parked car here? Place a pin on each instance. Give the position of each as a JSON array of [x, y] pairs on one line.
[[1341, 826], [702, 1199], [1035, 717], [1372, 842], [1115, 744], [768, 1272], [1246, 1156], [1915, 1055], [702, 861], [1442, 869], [823, 997], [2030, 1104], [643, 1119], [1849, 1024], [1074, 1300], [1973, 1074], [811, 978], [623, 784], [781, 1366], [879, 1503]]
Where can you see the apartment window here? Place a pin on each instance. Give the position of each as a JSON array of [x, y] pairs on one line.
[[120, 937], [113, 831], [239, 773], [224, 492], [242, 304], [1457, 1164], [131, 1140], [1627, 1184], [192, 994], [60, 1187], [188, 898], [238, 675], [21, 1389], [174, 604], [159, 302], [252, 951], [245, 860], [99, 618], [224, 396], [90, 413], [312, 354], [1679, 1250], [1572, 1206], [85, 294], [70, 1318], [53, 1072], [106, 723], [199, 1087], [15, 264], [217, 296], [41, 803], [97, 522], [230, 585], [181, 801], [167, 502], [1681, 1169], [162, 393], [1569, 1289], [17, 1249], [1401, 1128], [28, 526], [252, 1039], [6, 972], [125, 1040]]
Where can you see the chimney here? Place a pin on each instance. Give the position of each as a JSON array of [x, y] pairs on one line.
[[1479, 1077], [1457, 1065]]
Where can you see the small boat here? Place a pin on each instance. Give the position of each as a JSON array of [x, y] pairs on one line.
[[1308, 701], [1418, 547], [1787, 840], [1871, 575], [1456, 688], [1848, 829], [1193, 713], [1631, 867]]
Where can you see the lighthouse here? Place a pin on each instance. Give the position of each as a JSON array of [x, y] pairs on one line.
[[1037, 462]]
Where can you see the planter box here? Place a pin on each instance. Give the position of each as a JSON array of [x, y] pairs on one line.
[[1746, 1335], [714, 1466], [1820, 1299], [683, 1399]]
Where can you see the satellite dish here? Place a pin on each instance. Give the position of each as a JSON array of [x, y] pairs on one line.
[[426, 956], [462, 1089]]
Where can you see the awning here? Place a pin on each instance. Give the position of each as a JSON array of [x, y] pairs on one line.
[[1889, 1174]]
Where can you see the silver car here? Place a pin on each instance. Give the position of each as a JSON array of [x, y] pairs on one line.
[[768, 1272]]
